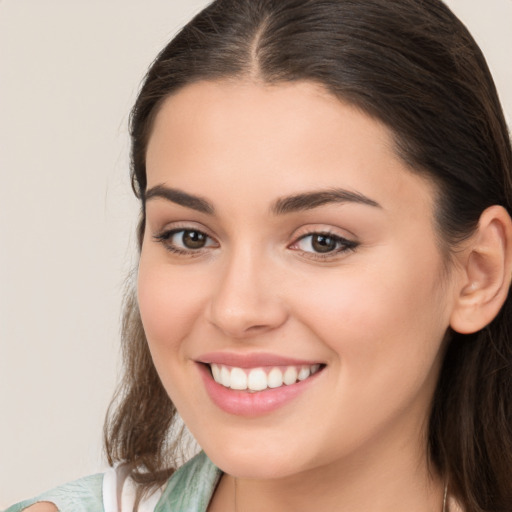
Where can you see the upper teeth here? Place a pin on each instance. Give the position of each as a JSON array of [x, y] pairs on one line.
[[257, 379]]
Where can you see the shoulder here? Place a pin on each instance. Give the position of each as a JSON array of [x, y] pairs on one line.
[[44, 506], [189, 488], [192, 486], [82, 495]]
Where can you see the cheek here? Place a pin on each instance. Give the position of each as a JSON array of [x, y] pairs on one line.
[[385, 338], [169, 304], [382, 321]]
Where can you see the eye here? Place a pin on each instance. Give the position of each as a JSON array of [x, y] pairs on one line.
[[323, 244], [190, 239], [185, 241]]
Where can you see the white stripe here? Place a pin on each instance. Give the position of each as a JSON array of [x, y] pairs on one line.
[[110, 491], [148, 504], [114, 478]]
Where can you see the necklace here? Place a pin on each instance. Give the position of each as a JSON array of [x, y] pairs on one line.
[[445, 496]]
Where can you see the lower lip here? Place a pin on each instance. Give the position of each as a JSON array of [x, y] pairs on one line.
[[244, 403]]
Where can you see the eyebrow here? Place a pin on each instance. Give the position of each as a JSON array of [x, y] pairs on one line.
[[179, 197], [315, 199], [284, 205]]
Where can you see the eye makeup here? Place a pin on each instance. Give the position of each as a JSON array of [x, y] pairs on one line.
[[316, 244]]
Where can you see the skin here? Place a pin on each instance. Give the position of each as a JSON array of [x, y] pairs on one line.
[[44, 506], [373, 308], [375, 315]]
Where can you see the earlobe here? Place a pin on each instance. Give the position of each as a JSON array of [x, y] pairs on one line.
[[486, 272]]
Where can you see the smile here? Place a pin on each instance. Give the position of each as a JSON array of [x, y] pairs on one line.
[[259, 379], [257, 384]]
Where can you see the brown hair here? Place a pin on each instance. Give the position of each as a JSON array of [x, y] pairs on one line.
[[414, 66]]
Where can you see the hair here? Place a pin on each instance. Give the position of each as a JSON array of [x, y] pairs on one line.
[[412, 65]]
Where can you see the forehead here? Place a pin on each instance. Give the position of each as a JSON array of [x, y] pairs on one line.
[[276, 139]]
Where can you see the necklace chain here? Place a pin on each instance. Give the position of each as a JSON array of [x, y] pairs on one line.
[[236, 508], [445, 496]]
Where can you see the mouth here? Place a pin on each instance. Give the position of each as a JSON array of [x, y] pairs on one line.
[[256, 384], [254, 380]]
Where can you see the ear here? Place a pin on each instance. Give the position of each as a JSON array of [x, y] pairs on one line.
[[486, 272]]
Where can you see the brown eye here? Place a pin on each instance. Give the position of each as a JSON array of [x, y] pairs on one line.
[[193, 239], [323, 243], [186, 241]]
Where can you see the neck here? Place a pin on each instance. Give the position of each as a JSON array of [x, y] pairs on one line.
[[400, 484], [387, 493]]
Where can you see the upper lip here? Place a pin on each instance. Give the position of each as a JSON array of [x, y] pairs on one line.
[[252, 360]]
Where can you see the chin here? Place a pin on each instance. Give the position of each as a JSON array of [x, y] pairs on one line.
[[256, 463]]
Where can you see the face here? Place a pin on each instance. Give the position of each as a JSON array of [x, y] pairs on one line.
[[292, 254]]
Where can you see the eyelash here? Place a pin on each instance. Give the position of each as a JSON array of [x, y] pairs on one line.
[[343, 245], [165, 239]]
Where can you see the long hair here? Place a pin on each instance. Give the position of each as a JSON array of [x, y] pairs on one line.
[[414, 66]]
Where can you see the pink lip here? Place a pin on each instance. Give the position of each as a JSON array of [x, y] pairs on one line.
[[244, 403], [255, 360]]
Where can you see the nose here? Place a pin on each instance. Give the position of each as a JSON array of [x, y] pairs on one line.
[[247, 299]]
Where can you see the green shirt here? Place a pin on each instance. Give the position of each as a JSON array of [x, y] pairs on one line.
[[188, 490]]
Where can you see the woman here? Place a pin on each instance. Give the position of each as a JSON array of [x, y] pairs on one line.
[[325, 259]]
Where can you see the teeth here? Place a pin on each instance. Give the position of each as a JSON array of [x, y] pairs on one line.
[[225, 377], [275, 378], [257, 379], [216, 372], [303, 373], [238, 379], [290, 375]]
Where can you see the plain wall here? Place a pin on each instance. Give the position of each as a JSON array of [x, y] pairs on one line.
[[69, 72]]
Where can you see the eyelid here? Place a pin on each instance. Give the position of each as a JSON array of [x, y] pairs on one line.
[[182, 225], [164, 236], [347, 244], [326, 229]]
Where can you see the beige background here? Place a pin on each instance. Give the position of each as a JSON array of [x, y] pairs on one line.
[[69, 72]]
